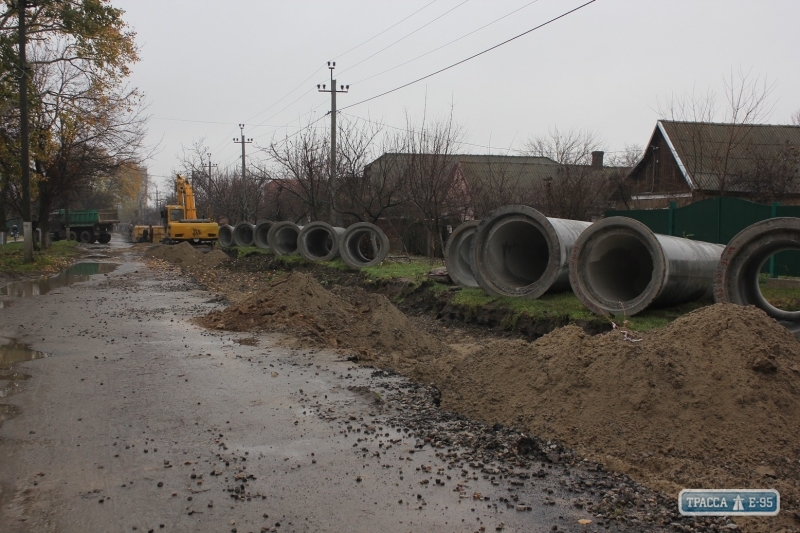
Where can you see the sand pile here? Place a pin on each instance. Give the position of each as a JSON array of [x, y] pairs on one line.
[[213, 258], [368, 324], [179, 254], [712, 400], [184, 254]]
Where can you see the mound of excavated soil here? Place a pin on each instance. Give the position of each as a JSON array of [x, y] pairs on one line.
[[184, 254], [179, 254], [213, 258], [710, 401], [365, 323]]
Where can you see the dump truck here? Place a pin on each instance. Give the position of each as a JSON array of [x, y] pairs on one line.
[[85, 225], [180, 221]]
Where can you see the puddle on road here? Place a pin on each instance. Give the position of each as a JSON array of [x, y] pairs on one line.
[[74, 274], [10, 354], [15, 352]]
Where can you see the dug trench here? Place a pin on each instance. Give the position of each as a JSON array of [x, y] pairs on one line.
[[709, 401], [240, 276]]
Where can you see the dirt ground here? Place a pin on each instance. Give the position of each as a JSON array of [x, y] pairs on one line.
[[712, 400]]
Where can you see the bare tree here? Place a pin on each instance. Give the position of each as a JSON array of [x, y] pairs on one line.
[[224, 193], [432, 187], [796, 118], [569, 147], [302, 169], [771, 176], [369, 185], [495, 184], [625, 158], [747, 103], [576, 192]]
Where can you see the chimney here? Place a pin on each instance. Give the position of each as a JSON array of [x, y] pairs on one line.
[[597, 159]]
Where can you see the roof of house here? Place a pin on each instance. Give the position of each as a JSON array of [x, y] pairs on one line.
[[475, 158], [709, 152], [518, 169]]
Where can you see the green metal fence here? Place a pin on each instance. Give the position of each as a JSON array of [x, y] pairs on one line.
[[718, 220]]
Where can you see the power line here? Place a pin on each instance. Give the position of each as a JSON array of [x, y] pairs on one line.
[[406, 36], [447, 44], [471, 57], [387, 29]]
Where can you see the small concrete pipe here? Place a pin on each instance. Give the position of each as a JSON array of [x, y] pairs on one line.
[[517, 251], [363, 245], [618, 266], [282, 237], [243, 234], [457, 254], [319, 241], [225, 236], [736, 278], [260, 234]]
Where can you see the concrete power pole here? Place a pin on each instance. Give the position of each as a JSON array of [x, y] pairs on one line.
[[210, 185], [243, 141], [25, 163], [332, 214]]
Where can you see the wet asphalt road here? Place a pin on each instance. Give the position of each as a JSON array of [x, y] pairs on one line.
[[139, 420]]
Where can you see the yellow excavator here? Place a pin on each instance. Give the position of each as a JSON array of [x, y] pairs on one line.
[[180, 221]]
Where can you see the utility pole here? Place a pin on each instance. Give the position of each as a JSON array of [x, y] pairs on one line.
[[332, 214], [25, 163], [210, 185], [209, 170], [242, 142]]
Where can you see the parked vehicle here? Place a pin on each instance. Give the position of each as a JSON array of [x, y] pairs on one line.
[[85, 225]]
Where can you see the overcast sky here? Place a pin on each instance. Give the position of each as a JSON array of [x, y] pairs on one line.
[[207, 66]]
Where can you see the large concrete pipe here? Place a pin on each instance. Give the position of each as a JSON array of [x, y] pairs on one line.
[[319, 241], [363, 245], [457, 254], [225, 236], [260, 234], [517, 251], [618, 266], [736, 277], [282, 237], [243, 234]]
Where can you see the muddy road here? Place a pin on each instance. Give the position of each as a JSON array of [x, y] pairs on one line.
[[131, 418]]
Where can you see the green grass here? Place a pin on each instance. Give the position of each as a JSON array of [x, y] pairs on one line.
[[413, 270], [567, 304], [58, 256], [783, 293], [244, 251]]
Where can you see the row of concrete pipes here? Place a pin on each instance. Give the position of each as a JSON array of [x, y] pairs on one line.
[[616, 266], [359, 245]]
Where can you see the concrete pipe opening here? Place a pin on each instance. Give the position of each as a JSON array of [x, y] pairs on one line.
[[363, 245], [225, 236], [282, 238], [243, 234], [457, 254], [319, 241], [517, 251], [736, 279], [260, 234], [618, 266]]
